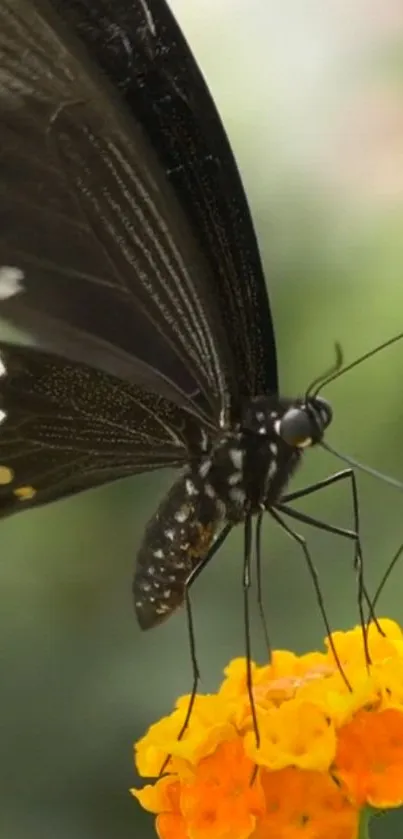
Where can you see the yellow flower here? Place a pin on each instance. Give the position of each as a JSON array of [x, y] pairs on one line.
[[326, 750]]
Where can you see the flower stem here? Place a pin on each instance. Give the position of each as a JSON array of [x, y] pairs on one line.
[[363, 827]]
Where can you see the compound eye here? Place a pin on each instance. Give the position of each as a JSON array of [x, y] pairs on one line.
[[324, 409], [295, 428]]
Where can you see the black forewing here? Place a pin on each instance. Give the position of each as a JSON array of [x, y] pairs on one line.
[[141, 48], [65, 427], [111, 272]]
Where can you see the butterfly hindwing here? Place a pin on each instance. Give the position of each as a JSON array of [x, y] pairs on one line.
[[66, 427]]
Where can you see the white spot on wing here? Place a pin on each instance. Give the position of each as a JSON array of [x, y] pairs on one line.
[[3, 416], [10, 281], [3, 369]]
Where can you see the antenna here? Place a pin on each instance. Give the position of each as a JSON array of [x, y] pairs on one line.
[[367, 469], [328, 375], [340, 370]]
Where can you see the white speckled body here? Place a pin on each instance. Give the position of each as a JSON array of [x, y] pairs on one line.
[[240, 473]]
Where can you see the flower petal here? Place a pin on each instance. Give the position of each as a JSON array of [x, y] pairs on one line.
[[295, 734], [369, 759], [313, 807], [221, 802]]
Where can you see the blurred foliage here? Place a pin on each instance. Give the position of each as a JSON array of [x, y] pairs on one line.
[[79, 682]]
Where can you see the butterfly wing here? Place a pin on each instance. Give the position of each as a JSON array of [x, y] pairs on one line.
[[65, 427], [142, 50], [109, 270]]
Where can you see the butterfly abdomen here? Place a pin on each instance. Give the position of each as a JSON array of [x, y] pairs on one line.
[[176, 541], [238, 477]]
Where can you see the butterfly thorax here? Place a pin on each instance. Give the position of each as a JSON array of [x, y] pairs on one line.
[[248, 467]]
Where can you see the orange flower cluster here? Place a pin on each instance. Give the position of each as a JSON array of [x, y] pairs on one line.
[[327, 752]]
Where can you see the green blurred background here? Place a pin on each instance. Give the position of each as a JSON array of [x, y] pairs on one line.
[[311, 94]]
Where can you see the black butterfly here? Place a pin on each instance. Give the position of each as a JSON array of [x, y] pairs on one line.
[[127, 251]]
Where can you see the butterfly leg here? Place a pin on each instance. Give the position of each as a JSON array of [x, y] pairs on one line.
[[386, 575], [189, 616], [314, 575], [191, 633], [344, 475], [246, 584], [259, 598]]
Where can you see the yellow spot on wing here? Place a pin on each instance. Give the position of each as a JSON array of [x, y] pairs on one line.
[[6, 475], [25, 493]]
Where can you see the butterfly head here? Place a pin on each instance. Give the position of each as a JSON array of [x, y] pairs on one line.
[[304, 423]]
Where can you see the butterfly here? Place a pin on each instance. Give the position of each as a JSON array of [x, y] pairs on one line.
[[128, 255]]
